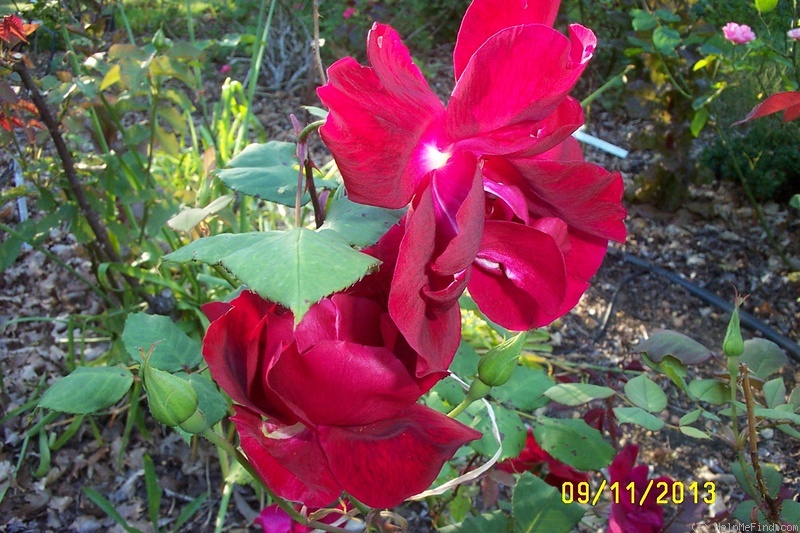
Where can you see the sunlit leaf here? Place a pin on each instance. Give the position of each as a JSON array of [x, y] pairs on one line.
[[295, 268], [644, 393], [577, 393], [638, 416], [665, 342], [88, 390], [574, 442], [537, 507]]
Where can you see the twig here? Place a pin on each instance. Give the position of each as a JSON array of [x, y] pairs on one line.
[[772, 503], [67, 162], [317, 56]]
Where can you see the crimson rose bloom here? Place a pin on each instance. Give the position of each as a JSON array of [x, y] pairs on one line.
[[331, 405], [627, 516], [501, 200]]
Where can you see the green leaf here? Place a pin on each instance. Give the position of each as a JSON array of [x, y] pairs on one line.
[[267, 171], [465, 363], [638, 416], [690, 417], [153, 490], [795, 201], [460, 506], [712, 391], [694, 432], [790, 513], [88, 390], [173, 349], [360, 225], [699, 121], [295, 268], [664, 342], [189, 217], [777, 414], [189, 510], [642, 20], [666, 15], [108, 508], [666, 40], [577, 393], [774, 392], [525, 389], [537, 507], [763, 357], [773, 479], [794, 398], [212, 403], [765, 6], [493, 522], [511, 429], [574, 442], [644, 393]]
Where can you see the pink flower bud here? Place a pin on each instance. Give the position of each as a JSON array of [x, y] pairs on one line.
[[349, 12], [794, 34], [225, 69], [738, 33]]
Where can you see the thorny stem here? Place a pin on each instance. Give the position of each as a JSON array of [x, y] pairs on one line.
[[772, 503], [319, 216], [231, 450]]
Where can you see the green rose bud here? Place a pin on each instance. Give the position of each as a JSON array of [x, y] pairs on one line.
[[765, 6], [733, 345], [195, 423], [172, 400], [499, 363]]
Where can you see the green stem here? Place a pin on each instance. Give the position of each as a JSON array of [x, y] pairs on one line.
[[255, 69], [308, 130], [229, 448], [126, 23], [227, 490]]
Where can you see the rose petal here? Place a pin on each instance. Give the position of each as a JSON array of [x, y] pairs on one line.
[[236, 358], [383, 463], [458, 200], [431, 327], [378, 117], [294, 466], [484, 18], [343, 384], [521, 74], [519, 277], [586, 196]]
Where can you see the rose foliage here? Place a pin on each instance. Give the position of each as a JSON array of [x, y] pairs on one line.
[[500, 202]]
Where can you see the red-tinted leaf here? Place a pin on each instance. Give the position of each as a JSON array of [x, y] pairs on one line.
[[788, 102]]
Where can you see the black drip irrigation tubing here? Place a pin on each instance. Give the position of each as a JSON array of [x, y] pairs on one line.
[[746, 319]]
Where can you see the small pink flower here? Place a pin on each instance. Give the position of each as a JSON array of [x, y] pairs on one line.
[[349, 12], [794, 34], [738, 33], [225, 69]]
